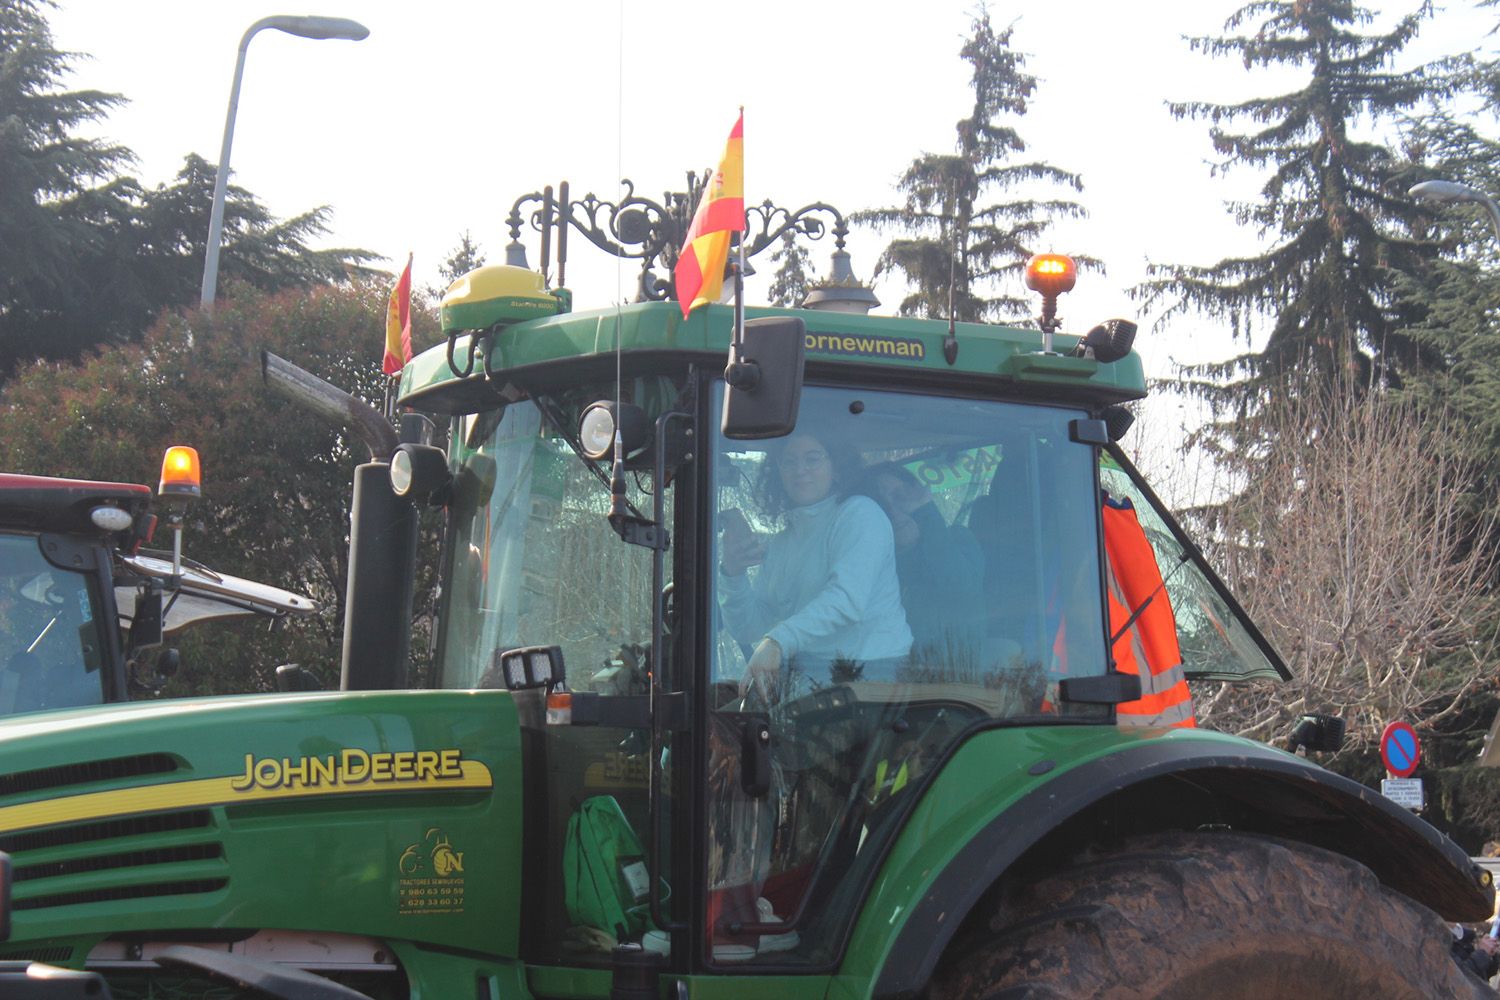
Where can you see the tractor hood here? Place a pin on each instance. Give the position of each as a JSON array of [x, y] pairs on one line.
[[384, 814]]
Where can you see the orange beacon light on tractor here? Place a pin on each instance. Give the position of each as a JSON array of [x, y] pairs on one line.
[[180, 473]]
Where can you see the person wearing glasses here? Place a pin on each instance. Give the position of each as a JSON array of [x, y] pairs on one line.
[[825, 603]]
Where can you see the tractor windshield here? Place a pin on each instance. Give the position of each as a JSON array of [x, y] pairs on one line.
[[532, 559], [896, 570], [51, 645]]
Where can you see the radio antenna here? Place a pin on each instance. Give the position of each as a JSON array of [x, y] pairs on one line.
[[950, 342]]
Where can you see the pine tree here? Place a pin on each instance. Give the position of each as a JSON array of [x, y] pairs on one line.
[[794, 274], [88, 257], [1455, 298], [45, 168], [464, 257], [1334, 205], [142, 251], [958, 236]]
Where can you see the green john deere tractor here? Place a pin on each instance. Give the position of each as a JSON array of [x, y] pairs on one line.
[[801, 676]]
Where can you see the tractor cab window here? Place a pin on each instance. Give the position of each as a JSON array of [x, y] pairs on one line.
[[897, 570], [51, 646], [533, 561], [1217, 640]]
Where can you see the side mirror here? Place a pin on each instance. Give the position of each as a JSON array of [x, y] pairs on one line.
[[764, 379], [1320, 733], [145, 621]]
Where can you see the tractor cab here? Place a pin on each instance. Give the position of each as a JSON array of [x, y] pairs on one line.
[[747, 620], [84, 608]]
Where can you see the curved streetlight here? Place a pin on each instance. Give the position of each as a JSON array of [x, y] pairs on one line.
[[1452, 191], [304, 27]]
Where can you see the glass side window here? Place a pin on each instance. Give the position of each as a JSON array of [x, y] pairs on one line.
[[51, 648], [895, 571], [1216, 641], [533, 561]]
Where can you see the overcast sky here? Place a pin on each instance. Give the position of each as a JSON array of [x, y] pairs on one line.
[[450, 110]]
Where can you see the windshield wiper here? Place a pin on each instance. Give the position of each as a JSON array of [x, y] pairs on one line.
[[1182, 560]]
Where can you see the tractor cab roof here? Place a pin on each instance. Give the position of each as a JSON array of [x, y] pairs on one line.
[[42, 503], [902, 349]]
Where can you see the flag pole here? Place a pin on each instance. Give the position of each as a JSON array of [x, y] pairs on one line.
[[739, 291], [739, 266]]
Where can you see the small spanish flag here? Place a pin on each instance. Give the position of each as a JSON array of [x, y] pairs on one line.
[[398, 323], [699, 272]]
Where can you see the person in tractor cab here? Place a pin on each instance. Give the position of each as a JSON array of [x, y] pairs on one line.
[[940, 567], [823, 608], [50, 651], [826, 597]]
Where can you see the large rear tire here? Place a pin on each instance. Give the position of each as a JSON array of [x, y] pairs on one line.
[[1188, 915]]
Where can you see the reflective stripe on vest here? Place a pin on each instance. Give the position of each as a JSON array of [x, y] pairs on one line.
[[1133, 579]]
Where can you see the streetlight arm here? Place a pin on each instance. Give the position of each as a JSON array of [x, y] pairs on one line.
[[1444, 191], [209, 288], [1494, 210], [311, 26], [1453, 191]]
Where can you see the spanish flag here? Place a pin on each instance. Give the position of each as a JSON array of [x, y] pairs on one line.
[[398, 323], [699, 272]]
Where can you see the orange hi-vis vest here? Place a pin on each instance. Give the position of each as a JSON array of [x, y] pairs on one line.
[[1151, 640]]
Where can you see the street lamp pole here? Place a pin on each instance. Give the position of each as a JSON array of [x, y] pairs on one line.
[[1452, 191], [305, 27]]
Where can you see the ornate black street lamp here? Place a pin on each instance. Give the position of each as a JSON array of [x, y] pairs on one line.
[[636, 227]]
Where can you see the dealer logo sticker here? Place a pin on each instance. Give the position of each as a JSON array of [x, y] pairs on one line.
[[431, 876]]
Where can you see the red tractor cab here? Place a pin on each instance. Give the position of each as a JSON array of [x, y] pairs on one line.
[[85, 608]]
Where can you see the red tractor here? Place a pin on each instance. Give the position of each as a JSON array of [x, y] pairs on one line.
[[85, 608]]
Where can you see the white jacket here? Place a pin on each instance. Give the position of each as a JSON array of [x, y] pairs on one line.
[[828, 587]]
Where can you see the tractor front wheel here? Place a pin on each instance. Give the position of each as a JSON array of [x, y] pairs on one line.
[[1185, 915]]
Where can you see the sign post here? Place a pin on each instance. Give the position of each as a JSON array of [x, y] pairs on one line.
[[1401, 751]]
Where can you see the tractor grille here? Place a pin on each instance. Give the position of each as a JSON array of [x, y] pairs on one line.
[[53, 778], [133, 857], [54, 954], [63, 836], [190, 886], [97, 870], [110, 862]]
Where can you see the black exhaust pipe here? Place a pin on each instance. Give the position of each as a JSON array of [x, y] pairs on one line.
[[382, 536], [382, 578]]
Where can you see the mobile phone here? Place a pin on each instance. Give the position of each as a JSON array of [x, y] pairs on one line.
[[733, 519]]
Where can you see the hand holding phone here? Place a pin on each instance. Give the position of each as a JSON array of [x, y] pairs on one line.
[[742, 547]]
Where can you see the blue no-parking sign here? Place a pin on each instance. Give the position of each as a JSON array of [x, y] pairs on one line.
[[1400, 749]]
